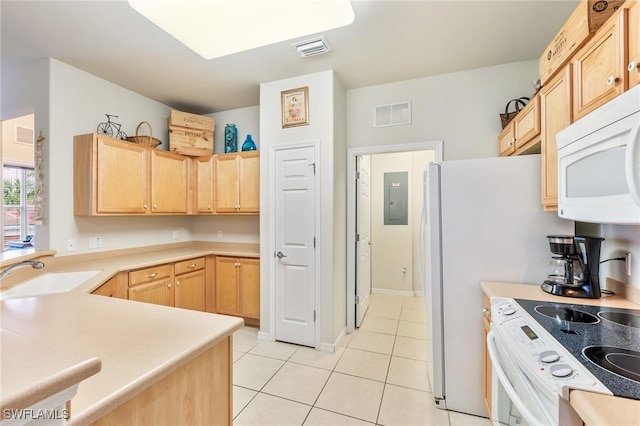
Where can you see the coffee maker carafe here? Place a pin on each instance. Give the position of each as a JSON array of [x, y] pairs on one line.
[[575, 268]]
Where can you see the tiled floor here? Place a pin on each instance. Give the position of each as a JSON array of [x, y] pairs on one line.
[[378, 376]]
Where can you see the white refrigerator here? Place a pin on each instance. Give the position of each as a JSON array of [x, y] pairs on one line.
[[484, 222]]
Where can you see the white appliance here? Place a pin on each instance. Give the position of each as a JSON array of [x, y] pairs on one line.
[[485, 222], [532, 372], [599, 164]]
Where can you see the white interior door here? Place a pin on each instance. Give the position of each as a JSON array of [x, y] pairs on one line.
[[363, 237], [295, 245]]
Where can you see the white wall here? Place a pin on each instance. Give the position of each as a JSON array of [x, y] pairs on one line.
[[247, 121], [322, 110], [461, 108]]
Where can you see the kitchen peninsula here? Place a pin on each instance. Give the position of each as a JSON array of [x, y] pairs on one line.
[[159, 364]]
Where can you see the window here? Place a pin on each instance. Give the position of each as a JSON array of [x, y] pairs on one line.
[[18, 204]]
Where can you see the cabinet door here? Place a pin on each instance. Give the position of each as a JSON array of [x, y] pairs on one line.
[[506, 141], [597, 67], [249, 282], [227, 285], [527, 123], [169, 182], [158, 292], [116, 287], [125, 191], [190, 290], [226, 183], [633, 67], [555, 99], [203, 184], [249, 182]]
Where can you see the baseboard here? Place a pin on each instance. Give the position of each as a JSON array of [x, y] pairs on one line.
[[265, 336], [328, 347], [393, 292]]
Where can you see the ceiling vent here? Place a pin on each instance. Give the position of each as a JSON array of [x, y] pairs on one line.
[[312, 47]]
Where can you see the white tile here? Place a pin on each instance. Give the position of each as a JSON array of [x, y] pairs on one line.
[[253, 371], [241, 398], [379, 325], [384, 311], [413, 315], [407, 347], [237, 355], [402, 407], [459, 419], [297, 382], [374, 342], [351, 396], [318, 417], [409, 373], [244, 340], [277, 350], [344, 342], [270, 410], [377, 299], [369, 365], [315, 358], [412, 329], [417, 303]]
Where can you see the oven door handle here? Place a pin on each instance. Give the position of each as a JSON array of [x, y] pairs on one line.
[[506, 384]]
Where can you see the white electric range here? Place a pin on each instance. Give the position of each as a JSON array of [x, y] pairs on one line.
[[541, 350]]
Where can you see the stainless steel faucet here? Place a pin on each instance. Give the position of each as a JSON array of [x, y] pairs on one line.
[[35, 264]]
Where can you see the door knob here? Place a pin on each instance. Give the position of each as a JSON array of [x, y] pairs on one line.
[[280, 255]]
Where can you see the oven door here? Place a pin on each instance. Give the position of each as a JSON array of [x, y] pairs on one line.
[[515, 400]]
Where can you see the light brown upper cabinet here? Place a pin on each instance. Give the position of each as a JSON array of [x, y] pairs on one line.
[[555, 100], [204, 186], [522, 134], [633, 67], [113, 177], [599, 67], [237, 182]]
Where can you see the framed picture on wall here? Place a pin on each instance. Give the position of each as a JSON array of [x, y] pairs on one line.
[[295, 107]]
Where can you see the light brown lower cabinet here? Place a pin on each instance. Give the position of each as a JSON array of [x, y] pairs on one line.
[[191, 283], [197, 393], [238, 286], [487, 370]]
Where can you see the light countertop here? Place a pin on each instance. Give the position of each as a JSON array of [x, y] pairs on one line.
[[594, 409], [136, 343]]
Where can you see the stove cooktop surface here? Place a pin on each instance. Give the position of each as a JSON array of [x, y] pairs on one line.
[[606, 341]]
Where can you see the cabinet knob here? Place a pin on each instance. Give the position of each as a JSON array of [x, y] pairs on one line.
[[209, 207], [169, 285], [151, 275], [632, 65], [611, 80], [155, 206], [193, 265], [145, 206], [177, 283]]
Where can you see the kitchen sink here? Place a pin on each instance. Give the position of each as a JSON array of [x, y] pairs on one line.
[[57, 282]]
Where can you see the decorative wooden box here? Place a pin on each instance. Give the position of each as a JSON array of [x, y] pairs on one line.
[[191, 134]]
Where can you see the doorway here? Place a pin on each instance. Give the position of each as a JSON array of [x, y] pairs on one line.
[[357, 290]]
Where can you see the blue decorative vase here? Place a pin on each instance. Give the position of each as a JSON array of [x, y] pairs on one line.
[[230, 138], [249, 144]]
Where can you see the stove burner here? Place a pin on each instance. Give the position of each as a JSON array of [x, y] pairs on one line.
[[566, 314], [623, 362], [623, 318]]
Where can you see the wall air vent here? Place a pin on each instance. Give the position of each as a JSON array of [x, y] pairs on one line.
[[312, 47], [23, 135]]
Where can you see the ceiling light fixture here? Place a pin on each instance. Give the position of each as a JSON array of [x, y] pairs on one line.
[[216, 28]]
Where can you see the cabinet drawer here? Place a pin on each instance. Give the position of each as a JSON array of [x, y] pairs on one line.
[[189, 265], [146, 275]]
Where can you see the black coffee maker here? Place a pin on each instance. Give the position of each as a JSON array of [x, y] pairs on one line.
[[575, 268]]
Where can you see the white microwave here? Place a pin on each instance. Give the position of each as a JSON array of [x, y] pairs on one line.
[[599, 164]]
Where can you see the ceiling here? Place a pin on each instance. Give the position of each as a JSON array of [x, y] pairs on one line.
[[388, 41]]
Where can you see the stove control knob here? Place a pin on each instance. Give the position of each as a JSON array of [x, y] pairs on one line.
[[549, 356], [508, 311], [561, 370]]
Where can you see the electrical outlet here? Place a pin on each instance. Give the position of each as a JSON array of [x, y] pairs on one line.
[[176, 234], [71, 244], [95, 242], [627, 263], [220, 234]]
